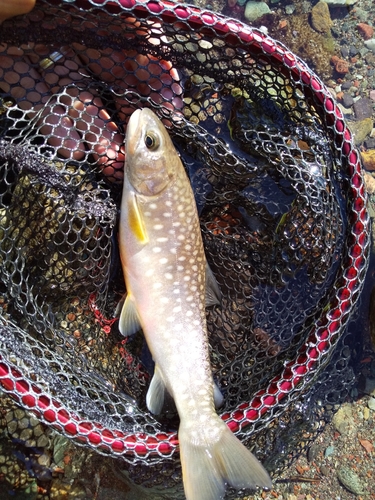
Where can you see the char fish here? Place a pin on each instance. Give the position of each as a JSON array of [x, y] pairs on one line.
[[167, 276]]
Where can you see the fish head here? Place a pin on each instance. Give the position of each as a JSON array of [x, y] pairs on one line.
[[149, 153]]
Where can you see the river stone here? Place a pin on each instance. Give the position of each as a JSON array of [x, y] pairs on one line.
[[370, 44], [340, 2], [255, 10], [320, 18], [361, 130], [350, 480]]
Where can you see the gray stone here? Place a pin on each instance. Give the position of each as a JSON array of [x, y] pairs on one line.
[[347, 100], [350, 480], [255, 10], [340, 2], [370, 44], [363, 108]]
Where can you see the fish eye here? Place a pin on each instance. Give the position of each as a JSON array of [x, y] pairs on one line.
[[152, 141]]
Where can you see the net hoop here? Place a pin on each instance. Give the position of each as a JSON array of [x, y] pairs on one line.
[[321, 338]]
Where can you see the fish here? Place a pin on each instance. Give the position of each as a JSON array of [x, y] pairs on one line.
[[169, 284]]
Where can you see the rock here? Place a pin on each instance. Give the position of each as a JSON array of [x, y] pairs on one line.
[[371, 403], [372, 95], [368, 159], [363, 108], [320, 18], [340, 65], [343, 419], [361, 130], [370, 188], [340, 2], [330, 450], [350, 480], [347, 100], [370, 44], [255, 10], [365, 30]]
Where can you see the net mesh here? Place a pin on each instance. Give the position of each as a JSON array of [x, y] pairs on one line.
[[282, 205]]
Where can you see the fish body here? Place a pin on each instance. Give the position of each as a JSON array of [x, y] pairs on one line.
[[166, 278]]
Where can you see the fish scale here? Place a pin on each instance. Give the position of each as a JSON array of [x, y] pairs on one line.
[[166, 276]]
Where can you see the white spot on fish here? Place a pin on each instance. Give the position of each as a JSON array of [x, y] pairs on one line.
[[162, 239], [153, 206], [163, 260], [189, 313], [156, 249], [181, 237], [181, 258], [176, 309], [164, 300], [156, 286], [168, 276], [157, 227], [149, 273]]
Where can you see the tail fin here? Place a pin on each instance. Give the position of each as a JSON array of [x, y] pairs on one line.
[[208, 466]]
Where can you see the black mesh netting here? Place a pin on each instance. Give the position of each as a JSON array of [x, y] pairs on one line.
[[281, 199]]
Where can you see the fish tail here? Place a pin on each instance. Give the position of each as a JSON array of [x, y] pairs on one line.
[[207, 466]]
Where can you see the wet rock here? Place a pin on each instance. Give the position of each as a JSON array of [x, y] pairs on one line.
[[344, 52], [343, 420], [370, 44], [369, 143], [368, 159], [370, 188], [341, 66], [340, 2], [320, 18], [255, 10], [361, 130], [350, 480], [363, 108], [371, 403], [365, 30], [347, 100]]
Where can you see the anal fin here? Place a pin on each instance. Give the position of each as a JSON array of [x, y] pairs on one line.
[[129, 320], [213, 294]]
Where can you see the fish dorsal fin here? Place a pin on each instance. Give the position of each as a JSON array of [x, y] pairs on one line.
[[136, 223], [156, 393], [129, 320], [213, 294]]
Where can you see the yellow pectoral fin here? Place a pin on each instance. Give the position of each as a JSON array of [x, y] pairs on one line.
[[136, 222]]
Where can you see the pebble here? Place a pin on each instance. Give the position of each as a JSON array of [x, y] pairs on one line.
[[320, 18], [330, 450], [363, 108], [341, 2], [371, 403], [370, 44], [368, 159], [361, 129], [350, 480], [365, 30], [341, 66], [372, 95], [347, 100], [343, 419], [255, 10], [370, 188]]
